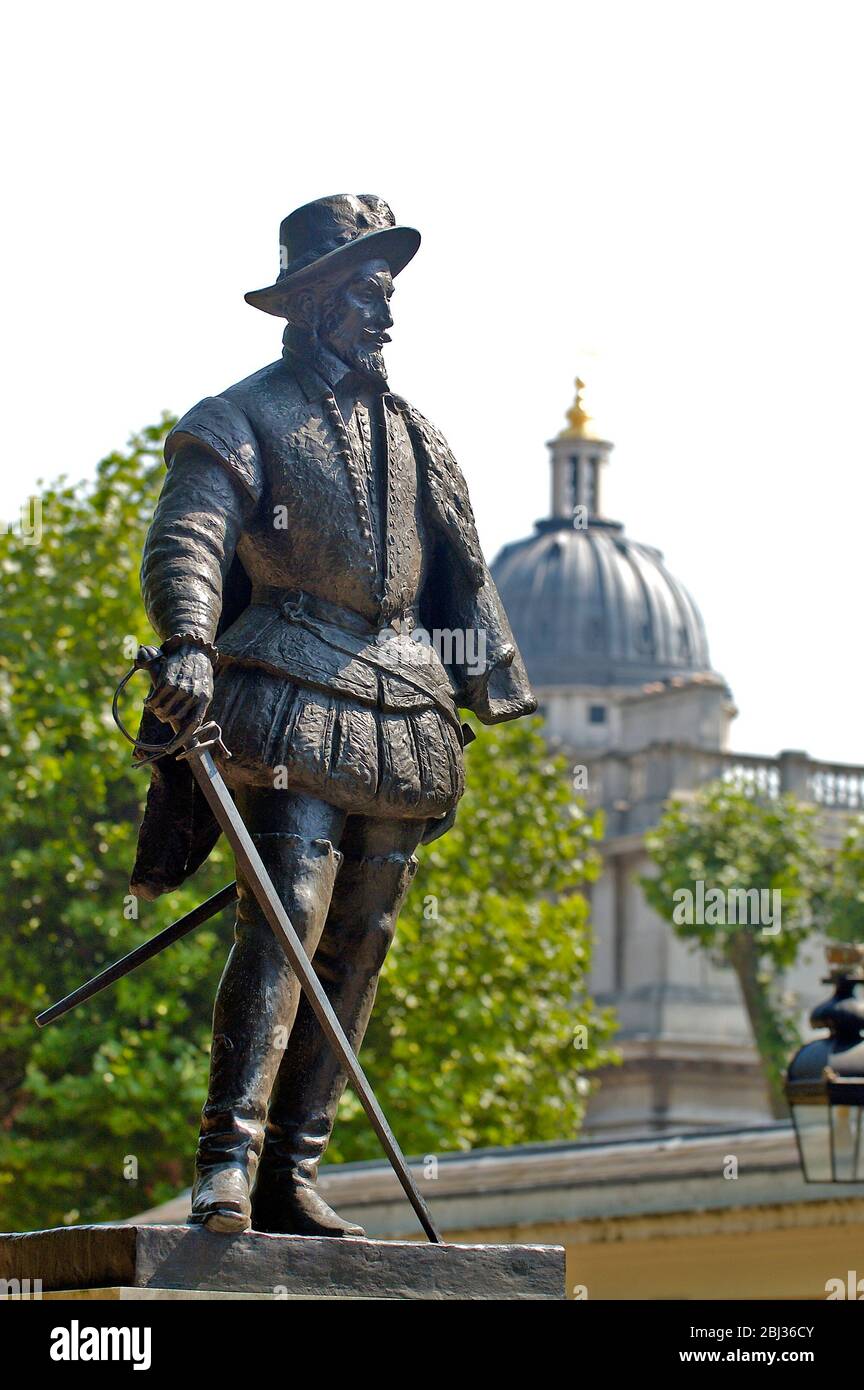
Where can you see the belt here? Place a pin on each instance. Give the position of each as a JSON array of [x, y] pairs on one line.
[[295, 603], [308, 610]]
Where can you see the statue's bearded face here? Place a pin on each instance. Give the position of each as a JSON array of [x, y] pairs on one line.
[[353, 317]]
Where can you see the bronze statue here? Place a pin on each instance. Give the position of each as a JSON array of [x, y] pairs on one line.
[[313, 536]]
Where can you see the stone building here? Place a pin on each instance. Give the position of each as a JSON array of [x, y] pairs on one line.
[[618, 655]]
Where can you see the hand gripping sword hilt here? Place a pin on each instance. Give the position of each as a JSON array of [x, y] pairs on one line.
[[149, 659]]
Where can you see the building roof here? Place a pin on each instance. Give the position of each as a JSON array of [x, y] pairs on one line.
[[589, 606], [657, 1176]]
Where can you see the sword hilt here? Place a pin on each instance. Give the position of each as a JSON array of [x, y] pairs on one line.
[[206, 736], [149, 659]]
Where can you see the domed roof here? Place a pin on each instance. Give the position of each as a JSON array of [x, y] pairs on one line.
[[588, 606]]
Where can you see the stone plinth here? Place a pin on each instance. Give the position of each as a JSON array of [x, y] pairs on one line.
[[156, 1261]]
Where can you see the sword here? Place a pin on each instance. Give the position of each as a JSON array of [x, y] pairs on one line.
[[196, 750], [249, 862], [202, 913]]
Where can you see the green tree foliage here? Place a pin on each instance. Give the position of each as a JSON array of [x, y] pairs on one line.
[[473, 1041], [109, 1090], [841, 904], [727, 838]]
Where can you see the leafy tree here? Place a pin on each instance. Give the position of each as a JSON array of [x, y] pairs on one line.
[[725, 837], [840, 907], [472, 1042], [106, 1093]]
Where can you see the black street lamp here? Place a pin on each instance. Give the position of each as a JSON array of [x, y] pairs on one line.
[[825, 1079]]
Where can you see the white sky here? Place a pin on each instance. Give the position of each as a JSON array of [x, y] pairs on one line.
[[664, 196]]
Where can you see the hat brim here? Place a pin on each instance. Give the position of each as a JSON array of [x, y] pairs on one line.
[[395, 245]]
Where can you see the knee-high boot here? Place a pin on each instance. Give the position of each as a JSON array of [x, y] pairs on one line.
[[360, 926], [256, 1006]]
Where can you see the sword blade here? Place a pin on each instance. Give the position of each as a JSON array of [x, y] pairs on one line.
[[177, 930], [250, 864]]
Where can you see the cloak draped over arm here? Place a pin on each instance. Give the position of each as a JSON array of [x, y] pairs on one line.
[[492, 681]]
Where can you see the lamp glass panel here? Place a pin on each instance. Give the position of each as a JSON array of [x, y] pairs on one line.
[[847, 1143], [812, 1126]]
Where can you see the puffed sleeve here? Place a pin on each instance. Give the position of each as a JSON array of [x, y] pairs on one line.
[[213, 487], [220, 428], [190, 545]]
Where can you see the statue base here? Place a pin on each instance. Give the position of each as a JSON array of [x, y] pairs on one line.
[[175, 1262]]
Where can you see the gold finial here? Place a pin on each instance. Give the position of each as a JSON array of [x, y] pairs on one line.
[[578, 419]]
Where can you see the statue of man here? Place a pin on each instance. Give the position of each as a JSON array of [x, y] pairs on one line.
[[313, 536]]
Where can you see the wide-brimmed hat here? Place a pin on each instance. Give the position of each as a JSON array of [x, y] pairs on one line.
[[333, 230]]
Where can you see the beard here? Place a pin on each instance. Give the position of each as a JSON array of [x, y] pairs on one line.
[[364, 357], [369, 361]]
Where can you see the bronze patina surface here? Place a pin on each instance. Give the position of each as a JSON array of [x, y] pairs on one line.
[[313, 530]]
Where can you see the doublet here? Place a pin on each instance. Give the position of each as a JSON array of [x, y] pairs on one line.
[[334, 542]]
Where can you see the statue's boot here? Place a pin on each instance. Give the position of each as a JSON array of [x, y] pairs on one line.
[[368, 895], [256, 1005]]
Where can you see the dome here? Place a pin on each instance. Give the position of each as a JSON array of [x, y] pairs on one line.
[[591, 607]]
